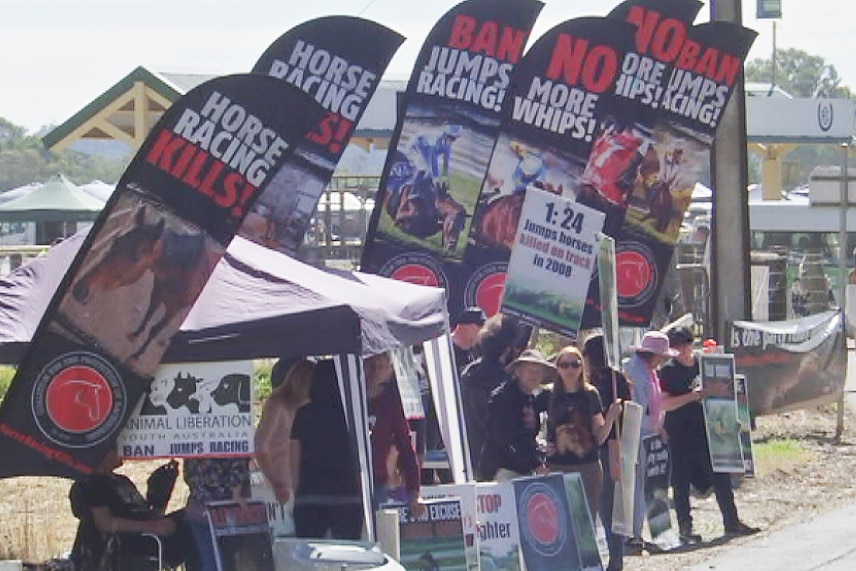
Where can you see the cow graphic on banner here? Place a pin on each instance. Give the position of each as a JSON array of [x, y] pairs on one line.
[[330, 59], [142, 266], [438, 157]]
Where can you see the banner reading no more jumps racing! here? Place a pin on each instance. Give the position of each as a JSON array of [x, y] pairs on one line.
[[141, 268]]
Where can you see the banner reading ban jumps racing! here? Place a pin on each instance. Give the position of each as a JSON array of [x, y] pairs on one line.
[[439, 152], [339, 61], [143, 265]]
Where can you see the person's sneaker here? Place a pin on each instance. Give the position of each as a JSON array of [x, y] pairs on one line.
[[741, 529], [686, 535]]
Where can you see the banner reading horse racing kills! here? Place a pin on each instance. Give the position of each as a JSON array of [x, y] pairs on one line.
[[141, 268], [339, 60], [672, 90], [439, 152], [791, 364]]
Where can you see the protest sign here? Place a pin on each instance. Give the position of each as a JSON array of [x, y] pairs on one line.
[[657, 464], [552, 261], [745, 419], [583, 523], [466, 493], [547, 538], [241, 536], [499, 536], [622, 505], [720, 412], [193, 410], [434, 540]]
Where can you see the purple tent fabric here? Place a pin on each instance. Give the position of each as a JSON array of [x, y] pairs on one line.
[[258, 303]]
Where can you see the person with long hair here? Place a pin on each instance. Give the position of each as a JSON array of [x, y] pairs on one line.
[[612, 386], [576, 424], [291, 381]]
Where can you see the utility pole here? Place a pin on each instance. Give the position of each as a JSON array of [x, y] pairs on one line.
[[730, 283]]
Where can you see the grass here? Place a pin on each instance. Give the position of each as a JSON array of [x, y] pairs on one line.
[[780, 454], [6, 374]]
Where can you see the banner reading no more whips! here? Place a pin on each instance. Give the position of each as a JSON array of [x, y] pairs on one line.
[[439, 152], [339, 61], [142, 266]]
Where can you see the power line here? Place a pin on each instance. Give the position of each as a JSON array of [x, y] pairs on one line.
[[367, 6]]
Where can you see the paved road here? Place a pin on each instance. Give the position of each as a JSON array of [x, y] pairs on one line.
[[827, 542]]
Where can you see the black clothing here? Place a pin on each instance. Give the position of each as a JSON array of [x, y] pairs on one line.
[[569, 427], [689, 449], [328, 492], [463, 357], [602, 381], [512, 426], [120, 496], [478, 381]]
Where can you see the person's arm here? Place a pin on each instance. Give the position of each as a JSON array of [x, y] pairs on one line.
[[272, 424], [108, 523], [294, 465], [602, 423], [505, 429], [672, 402]]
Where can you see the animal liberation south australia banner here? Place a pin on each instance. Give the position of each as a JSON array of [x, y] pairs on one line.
[[440, 149], [552, 262], [338, 60], [141, 268]]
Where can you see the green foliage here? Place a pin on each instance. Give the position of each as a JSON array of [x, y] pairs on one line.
[[800, 74], [261, 378], [24, 159], [6, 374]]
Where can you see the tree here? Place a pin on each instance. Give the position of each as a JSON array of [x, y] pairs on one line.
[[24, 159], [800, 74]]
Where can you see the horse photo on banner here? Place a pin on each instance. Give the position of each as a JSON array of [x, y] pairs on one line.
[[141, 268], [720, 413], [438, 156]]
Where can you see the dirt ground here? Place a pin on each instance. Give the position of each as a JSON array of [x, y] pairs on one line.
[[815, 475], [788, 489]]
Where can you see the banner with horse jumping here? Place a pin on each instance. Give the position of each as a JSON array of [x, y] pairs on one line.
[[439, 151], [146, 260], [673, 86], [339, 61]]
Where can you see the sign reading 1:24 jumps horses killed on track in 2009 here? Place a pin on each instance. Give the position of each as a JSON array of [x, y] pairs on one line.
[[141, 268]]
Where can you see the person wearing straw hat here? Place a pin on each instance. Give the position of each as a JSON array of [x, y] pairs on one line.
[[510, 449], [641, 372]]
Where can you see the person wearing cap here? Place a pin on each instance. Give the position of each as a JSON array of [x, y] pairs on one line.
[[510, 449], [576, 424], [497, 345], [602, 377], [465, 336], [641, 372], [688, 444]]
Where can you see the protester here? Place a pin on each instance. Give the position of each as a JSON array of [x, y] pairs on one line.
[[465, 336], [497, 345], [799, 299], [212, 480], [110, 503], [576, 424], [688, 444], [603, 378], [325, 470], [290, 382], [394, 463], [641, 371], [510, 449]]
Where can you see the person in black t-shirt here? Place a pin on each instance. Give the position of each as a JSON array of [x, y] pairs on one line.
[[324, 468], [688, 444], [110, 503]]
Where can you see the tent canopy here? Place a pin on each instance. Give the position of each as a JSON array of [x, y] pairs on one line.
[[58, 200], [258, 303]]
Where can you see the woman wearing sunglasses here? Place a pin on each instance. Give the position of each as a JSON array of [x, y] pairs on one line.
[[576, 425]]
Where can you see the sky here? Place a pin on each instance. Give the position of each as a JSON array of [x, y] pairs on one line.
[[56, 56]]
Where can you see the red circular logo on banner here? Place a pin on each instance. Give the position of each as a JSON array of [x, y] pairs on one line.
[[486, 287], [78, 399], [543, 518], [416, 274], [636, 274]]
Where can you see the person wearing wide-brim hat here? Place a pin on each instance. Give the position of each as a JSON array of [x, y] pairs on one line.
[[641, 371], [510, 449]]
